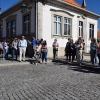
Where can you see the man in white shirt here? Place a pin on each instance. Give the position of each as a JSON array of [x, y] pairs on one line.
[[22, 48]]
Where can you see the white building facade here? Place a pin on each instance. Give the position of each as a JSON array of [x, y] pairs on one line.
[[50, 19]]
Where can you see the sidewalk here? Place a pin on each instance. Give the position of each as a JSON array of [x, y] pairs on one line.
[[9, 62]]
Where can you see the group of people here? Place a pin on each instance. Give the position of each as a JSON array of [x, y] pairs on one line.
[[18, 47], [74, 50], [95, 51], [14, 48], [39, 48]]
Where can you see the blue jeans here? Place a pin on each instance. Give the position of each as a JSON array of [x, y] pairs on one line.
[[94, 56], [6, 53], [14, 52], [37, 56], [44, 56]]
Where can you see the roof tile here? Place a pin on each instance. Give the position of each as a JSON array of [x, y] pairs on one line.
[[72, 2]]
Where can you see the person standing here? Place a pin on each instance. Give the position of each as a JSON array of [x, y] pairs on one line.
[[33, 43], [71, 47], [4, 51], [41, 41], [93, 48], [18, 46], [55, 46], [14, 48], [98, 51], [1, 50], [90, 50], [38, 52], [44, 51], [79, 51], [22, 48], [67, 49]]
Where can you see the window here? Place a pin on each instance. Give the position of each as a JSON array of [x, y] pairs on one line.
[[67, 26], [0, 31], [13, 28], [91, 31], [57, 25], [80, 29], [9, 29], [26, 25]]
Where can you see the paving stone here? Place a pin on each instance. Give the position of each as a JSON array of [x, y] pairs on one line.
[[52, 81]]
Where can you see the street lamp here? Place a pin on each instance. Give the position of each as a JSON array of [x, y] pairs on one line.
[[24, 7]]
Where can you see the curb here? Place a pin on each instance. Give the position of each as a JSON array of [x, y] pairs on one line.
[[12, 64], [19, 63]]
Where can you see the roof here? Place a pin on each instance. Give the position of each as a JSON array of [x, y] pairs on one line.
[[73, 2], [98, 34]]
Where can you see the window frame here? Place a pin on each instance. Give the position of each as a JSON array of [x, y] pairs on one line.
[[1, 30], [68, 34], [10, 29], [91, 31], [62, 14], [58, 22], [25, 23], [81, 29]]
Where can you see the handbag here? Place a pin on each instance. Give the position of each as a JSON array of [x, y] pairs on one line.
[[56, 49]]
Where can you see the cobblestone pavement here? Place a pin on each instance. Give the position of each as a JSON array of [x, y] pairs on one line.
[[48, 82]]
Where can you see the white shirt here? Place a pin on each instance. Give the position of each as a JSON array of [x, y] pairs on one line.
[[23, 43]]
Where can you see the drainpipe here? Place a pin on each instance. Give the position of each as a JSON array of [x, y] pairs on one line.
[[36, 18]]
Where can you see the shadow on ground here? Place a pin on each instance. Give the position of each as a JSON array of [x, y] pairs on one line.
[[86, 66]]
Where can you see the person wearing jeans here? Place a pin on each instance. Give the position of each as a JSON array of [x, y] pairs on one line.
[[98, 51], [22, 48], [44, 51], [93, 48], [14, 48], [37, 54]]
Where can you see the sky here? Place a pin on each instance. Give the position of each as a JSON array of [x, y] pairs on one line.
[[92, 5]]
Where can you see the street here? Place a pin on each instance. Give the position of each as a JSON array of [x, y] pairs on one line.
[[52, 81]]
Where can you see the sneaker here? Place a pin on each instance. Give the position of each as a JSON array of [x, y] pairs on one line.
[[36, 63]]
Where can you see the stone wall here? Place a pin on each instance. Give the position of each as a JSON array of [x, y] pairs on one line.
[[40, 20]]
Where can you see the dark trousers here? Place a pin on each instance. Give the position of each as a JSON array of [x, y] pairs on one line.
[[55, 54], [94, 56], [33, 52], [14, 52], [44, 56], [71, 55], [67, 54], [1, 53]]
